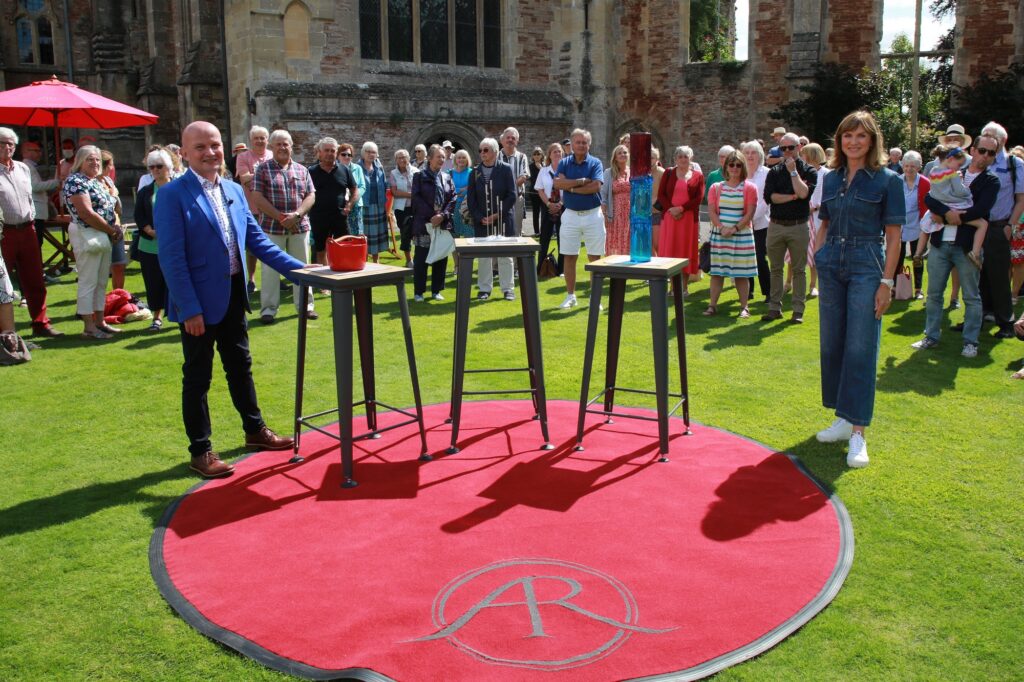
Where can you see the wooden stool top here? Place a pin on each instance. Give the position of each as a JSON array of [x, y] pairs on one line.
[[371, 275], [621, 267], [510, 246]]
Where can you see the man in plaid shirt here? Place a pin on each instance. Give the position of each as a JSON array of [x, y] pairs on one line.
[[283, 193]]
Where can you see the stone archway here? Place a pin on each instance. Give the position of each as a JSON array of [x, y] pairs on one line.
[[462, 136]]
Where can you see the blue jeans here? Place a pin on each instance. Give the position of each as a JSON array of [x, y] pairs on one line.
[[849, 270], [941, 260]]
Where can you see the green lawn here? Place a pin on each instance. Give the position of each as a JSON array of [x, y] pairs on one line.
[[93, 450]]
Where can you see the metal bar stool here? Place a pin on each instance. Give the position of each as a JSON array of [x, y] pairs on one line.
[[521, 250], [352, 290], [657, 272]]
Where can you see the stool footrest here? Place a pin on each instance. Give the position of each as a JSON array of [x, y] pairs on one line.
[[510, 391], [413, 419], [506, 369]]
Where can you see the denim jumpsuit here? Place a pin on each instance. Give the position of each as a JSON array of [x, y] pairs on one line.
[[850, 264]]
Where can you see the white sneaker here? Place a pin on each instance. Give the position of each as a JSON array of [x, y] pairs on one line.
[[569, 302], [970, 350], [437, 297], [857, 457], [418, 298], [840, 430]]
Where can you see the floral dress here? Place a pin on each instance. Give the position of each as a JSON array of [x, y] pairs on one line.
[[617, 239], [102, 202]]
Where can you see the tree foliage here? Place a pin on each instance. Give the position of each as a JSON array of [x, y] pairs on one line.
[[709, 32], [995, 96]]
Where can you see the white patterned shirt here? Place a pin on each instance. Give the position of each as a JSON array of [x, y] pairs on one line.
[[215, 193]]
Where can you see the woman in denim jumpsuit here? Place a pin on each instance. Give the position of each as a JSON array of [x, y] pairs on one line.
[[858, 249]]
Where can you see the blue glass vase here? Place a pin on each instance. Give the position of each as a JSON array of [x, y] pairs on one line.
[[640, 218]]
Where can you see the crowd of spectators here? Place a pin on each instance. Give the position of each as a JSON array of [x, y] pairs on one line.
[[773, 210]]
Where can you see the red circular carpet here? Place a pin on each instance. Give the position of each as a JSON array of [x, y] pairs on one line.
[[506, 562]]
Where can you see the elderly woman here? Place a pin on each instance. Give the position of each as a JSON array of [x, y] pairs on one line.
[[915, 188], [862, 214], [355, 218], [158, 163], [615, 203], [94, 227], [731, 206], [460, 178], [420, 162], [717, 175], [375, 219], [433, 201], [680, 196], [551, 199], [400, 182], [757, 171]]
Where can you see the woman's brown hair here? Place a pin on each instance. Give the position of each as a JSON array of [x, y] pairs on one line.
[[735, 156], [876, 156]]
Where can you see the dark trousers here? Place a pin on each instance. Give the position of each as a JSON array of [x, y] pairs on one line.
[[404, 220], [153, 278], [995, 275], [21, 252], [419, 271], [764, 272], [538, 209], [231, 337], [908, 252], [548, 229]]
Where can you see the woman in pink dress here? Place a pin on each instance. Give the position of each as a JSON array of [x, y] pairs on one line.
[[680, 194], [615, 201]]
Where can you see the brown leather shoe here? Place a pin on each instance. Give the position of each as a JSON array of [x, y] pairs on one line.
[[209, 465], [265, 439], [771, 315]]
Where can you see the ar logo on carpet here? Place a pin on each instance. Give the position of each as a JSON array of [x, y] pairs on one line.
[[544, 614]]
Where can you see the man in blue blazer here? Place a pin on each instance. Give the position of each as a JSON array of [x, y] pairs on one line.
[[204, 226]]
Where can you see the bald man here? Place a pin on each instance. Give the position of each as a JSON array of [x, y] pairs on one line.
[[205, 226]]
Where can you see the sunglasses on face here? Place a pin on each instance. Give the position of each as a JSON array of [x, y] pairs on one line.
[[484, 150], [155, 166], [985, 152], [734, 164], [787, 148], [346, 154]]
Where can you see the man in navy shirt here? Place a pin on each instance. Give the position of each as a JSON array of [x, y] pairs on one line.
[[336, 195], [579, 179]]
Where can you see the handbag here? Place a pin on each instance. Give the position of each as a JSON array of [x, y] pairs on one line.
[[442, 244], [92, 240], [347, 253], [548, 266], [13, 349], [464, 214], [704, 257], [904, 288]]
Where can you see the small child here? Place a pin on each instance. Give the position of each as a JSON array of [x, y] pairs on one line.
[[948, 188]]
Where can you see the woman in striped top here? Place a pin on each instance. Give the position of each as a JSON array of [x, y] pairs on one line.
[[731, 205]]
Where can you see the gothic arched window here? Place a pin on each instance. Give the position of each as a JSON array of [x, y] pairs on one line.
[[454, 32], [34, 31]]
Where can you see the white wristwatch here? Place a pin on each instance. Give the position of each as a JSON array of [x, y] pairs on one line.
[[888, 282]]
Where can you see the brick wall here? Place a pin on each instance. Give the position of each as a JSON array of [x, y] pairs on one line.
[[987, 43], [850, 38]]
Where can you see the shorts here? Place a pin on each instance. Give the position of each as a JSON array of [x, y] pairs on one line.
[[118, 256], [575, 229], [321, 229]]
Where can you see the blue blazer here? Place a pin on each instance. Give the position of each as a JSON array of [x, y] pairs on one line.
[[194, 254]]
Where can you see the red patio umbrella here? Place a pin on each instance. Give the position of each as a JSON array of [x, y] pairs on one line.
[[65, 105]]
